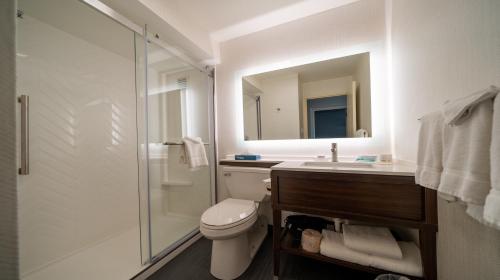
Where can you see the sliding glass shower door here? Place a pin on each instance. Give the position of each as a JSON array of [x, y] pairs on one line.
[[78, 204], [102, 115], [177, 105]]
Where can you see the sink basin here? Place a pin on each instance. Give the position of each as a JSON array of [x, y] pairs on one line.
[[339, 164]]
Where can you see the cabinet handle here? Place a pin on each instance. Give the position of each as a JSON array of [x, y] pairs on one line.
[[24, 100]]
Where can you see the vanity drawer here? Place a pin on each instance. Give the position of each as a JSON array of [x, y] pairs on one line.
[[374, 195]]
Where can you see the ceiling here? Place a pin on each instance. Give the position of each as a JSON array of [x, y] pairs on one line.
[[214, 15], [223, 20], [322, 70]]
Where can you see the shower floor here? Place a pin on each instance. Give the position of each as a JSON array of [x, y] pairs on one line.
[[117, 257], [167, 229]]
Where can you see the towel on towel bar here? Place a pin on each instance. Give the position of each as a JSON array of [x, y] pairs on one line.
[[492, 204], [372, 240], [194, 151], [463, 141], [457, 111], [332, 245], [430, 151], [466, 156]]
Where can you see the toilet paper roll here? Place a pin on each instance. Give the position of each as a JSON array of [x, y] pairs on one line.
[[311, 240]]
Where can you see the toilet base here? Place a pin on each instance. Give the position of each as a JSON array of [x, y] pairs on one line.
[[231, 257]]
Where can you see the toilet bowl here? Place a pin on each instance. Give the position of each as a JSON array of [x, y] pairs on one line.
[[236, 225]]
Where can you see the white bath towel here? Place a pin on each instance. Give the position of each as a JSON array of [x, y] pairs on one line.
[[466, 156], [372, 240], [332, 246], [492, 204], [457, 111], [470, 151], [195, 154], [430, 151], [411, 264]]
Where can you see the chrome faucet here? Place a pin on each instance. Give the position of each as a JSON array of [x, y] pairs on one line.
[[334, 152]]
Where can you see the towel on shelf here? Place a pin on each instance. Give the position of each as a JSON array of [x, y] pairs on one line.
[[372, 240], [332, 245], [457, 111], [411, 264], [430, 151], [194, 152], [492, 203]]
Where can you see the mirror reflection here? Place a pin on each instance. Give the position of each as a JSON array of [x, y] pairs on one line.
[[326, 99]]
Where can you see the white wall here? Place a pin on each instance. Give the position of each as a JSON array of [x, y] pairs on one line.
[[354, 28], [442, 50], [336, 86], [280, 107]]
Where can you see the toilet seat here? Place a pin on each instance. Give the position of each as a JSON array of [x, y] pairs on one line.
[[229, 213]]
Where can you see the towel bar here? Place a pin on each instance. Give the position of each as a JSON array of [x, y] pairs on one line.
[[176, 143]]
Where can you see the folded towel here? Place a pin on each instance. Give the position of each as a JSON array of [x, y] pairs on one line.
[[492, 204], [430, 151], [457, 111], [332, 246], [372, 240], [194, 151], [411, 264]]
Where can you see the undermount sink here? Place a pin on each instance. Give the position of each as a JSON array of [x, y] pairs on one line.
[[338, 164]]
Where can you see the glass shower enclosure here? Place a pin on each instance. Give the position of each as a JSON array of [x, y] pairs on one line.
[[178, 103], [102, 114]]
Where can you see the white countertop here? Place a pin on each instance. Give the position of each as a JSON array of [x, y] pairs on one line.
[[396, 168]]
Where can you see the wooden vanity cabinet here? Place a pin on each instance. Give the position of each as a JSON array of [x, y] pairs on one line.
[[387, 200]]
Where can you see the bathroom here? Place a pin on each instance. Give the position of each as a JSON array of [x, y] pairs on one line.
[[103, 101]]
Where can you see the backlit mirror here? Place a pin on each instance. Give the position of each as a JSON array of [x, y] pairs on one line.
[[326, 99]]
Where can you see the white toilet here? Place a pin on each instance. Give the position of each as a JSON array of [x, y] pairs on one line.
[[237, 225]]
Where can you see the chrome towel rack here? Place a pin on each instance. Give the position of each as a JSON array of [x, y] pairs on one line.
[[177, 143]]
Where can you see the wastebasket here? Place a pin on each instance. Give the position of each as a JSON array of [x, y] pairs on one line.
[[391, 277]]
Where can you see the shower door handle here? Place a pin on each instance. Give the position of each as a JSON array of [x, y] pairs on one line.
[[24, 100]]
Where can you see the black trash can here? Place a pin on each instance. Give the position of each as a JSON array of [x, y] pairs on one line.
[[391, 277]]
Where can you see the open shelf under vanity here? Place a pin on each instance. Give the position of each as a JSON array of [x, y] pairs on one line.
[[287, 246]]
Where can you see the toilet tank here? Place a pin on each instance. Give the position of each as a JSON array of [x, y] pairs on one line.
[[246, 182]]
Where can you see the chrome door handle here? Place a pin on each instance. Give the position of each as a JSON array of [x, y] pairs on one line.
[[24, 100]]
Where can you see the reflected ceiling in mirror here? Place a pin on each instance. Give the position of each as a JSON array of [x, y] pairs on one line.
[[326, 99]]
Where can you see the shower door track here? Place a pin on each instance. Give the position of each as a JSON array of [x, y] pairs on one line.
[[108, 11]]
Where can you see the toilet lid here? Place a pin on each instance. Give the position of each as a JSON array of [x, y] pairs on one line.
[[228, 212]]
